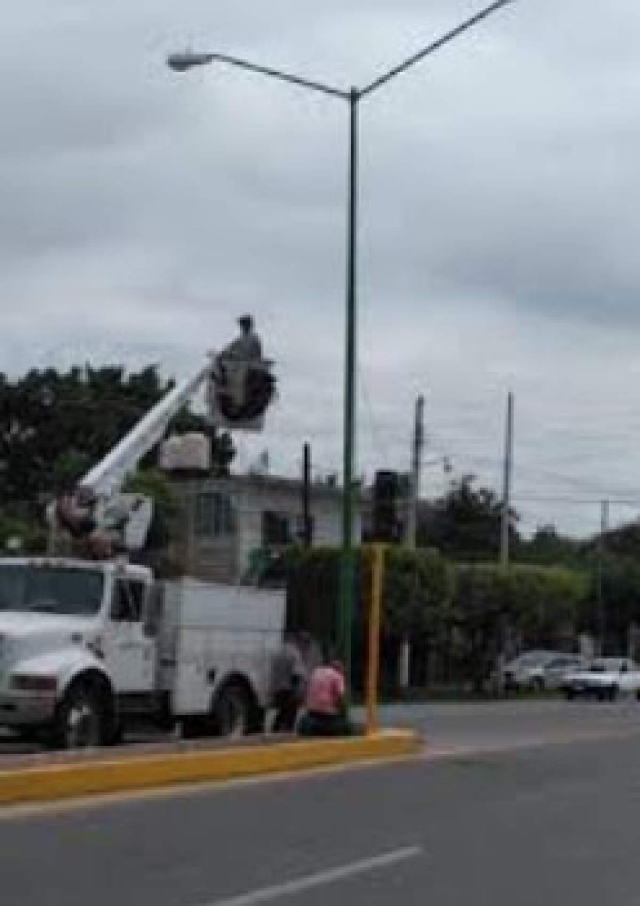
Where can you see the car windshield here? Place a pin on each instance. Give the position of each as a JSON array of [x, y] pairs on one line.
[[51, 589], [532, 659]]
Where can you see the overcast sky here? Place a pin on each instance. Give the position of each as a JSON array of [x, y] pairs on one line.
[[142, 211]]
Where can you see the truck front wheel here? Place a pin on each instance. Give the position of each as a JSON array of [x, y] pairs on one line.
[[81, 721]]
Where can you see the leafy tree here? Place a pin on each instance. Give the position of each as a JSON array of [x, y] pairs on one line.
[[541, 606], [548, 547], [31, 538], [623, 541], [619, 580], [154, 484], [54, 425], [417, 593], [465, 523]]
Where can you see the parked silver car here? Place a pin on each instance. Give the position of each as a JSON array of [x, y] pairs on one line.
[[540, 670]]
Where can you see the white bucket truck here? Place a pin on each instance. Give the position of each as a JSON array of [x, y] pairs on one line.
[[87, 645], [87, 648]]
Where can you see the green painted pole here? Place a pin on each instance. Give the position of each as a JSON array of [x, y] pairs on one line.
[[347, 558]]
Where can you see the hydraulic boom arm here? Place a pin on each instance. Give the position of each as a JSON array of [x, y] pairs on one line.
[[107, 477], [240, 388]]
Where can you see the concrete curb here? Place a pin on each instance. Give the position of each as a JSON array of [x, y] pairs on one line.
[[48, 782]]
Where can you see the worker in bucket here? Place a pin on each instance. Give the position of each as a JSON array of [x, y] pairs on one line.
[[238, 357], [247, 347]]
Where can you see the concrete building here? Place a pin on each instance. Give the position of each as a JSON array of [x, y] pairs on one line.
[[222, 522]]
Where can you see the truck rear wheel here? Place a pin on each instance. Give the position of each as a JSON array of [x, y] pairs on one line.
[[81, 721], [232, 711]]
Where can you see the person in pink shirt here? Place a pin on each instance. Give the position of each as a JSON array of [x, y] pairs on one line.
[[325, 705]]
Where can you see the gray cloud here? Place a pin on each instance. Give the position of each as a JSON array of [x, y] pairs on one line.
[[141, 211]]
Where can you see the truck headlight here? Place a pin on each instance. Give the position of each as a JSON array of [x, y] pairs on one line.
[[24, 682]]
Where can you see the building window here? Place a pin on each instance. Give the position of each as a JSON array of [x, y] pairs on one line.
[[213, 516], [275, 528]]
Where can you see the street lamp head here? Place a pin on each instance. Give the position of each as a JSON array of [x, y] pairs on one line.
[[181, 62]]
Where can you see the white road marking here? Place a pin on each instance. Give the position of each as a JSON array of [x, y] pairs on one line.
[[320, 878]]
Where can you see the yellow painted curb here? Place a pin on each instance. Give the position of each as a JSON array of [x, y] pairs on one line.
[[69, 780]]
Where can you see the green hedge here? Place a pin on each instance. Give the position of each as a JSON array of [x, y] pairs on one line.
[[417, 590], [465, 611], [537, 606]]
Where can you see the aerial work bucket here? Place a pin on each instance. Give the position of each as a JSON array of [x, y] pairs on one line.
[[239, 394], [242, 386]]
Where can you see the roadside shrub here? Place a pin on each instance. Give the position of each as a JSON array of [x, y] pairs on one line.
[[461, 615]]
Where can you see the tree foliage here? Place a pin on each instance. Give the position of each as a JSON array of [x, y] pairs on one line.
[[466, 609], [465, 522], [54, 425], [155, 485], [548, 547], [540, 606]]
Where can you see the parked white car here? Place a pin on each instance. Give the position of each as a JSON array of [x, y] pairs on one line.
[[540, 670], [605, 679]]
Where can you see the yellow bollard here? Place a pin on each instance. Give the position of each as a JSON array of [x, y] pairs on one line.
[[373, 650]]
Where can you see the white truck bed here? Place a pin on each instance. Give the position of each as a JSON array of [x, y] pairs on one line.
[[211, 632]]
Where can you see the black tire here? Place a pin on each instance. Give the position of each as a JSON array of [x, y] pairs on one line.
[[233, 711], [81, 719], [613, 693], [569, 694], [537, 684]]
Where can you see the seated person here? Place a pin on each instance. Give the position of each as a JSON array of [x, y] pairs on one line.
[[325, 706]]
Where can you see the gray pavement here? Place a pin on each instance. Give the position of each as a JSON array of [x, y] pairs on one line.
[[544, 824], [496, 725], [463, 726]]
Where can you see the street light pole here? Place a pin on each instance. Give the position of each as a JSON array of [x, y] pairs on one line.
[[350, 395], [181, 62]]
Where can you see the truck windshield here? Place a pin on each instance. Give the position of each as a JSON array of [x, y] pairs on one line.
[[51, 589]]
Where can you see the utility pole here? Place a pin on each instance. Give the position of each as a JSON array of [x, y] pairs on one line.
[[417, 447], [307, 524], [602, 544], [506, 486]]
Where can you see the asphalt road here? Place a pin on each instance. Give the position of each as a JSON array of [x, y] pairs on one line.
[[465, 726], [541, 824], [498, 725]]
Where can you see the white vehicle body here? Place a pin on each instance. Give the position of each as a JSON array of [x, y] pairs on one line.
[[606, 678], [137, 649], [540, 670]]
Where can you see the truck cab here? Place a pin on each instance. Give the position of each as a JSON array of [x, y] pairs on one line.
[[73, 635]]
